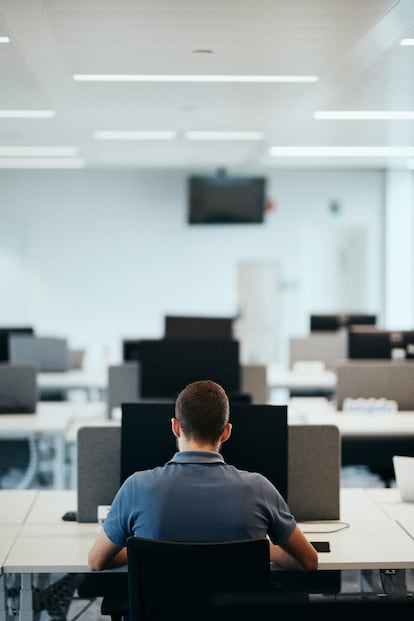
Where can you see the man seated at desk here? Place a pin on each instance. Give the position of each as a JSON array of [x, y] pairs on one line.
[[196, 496]]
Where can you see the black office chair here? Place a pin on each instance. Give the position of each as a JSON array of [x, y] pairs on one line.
[[174, 580], [273, 606]]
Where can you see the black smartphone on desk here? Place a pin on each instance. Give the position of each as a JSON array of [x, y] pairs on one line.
[[321, 546]]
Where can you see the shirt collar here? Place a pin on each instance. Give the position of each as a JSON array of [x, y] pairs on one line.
[[196, 457]]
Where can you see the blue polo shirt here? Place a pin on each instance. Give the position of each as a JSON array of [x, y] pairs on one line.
[[196, 496]]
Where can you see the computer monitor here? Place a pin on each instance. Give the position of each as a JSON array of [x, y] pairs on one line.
[[258, 443], [369, 343], [366, 342], [335, 321], [166, 366], [186, 327], [5, 333]]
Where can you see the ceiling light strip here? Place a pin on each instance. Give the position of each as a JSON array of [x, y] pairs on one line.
[[4, 39], [134, 135], [277, 151], [32, 151], [365, 115], [102, 77], [407, 42], [172, 135], [27, 114], [32, 162], [223, 135]]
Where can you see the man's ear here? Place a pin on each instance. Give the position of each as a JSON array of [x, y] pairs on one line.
[[226, 433], [175, 426]]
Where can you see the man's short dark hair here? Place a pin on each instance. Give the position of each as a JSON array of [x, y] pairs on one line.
[[202, 409]]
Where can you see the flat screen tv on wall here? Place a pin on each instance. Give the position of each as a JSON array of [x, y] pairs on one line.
[[225, 199]]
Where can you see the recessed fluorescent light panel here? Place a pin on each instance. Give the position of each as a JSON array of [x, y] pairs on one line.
[[407, 42], [365, 115], [172, 135], [134, 135], [341, 151], [224, 135], [4, 39], [27, 114], [45, 162], [129, 77], [38, 151]]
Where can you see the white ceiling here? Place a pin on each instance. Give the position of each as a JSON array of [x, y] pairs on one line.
[[353, 46]]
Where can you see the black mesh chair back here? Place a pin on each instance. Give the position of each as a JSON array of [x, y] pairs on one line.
[[174, 580]]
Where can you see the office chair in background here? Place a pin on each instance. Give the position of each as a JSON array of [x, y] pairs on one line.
[[174, 580]]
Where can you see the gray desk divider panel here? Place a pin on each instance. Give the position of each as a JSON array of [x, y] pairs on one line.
[[314, 460], [387, 379], [328, 348], [47, 353], [314, 470], [18, 389], [123, 384], [254, 382], [99, 469]]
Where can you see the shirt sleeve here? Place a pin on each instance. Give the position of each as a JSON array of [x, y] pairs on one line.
[[282, 523], [118, 522]]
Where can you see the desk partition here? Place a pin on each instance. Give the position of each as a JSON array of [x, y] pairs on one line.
[[313, 471], [388, 379]]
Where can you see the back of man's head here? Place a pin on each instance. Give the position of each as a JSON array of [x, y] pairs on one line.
[[202, 409]]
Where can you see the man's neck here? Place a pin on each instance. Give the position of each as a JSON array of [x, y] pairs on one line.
[[193, 445]]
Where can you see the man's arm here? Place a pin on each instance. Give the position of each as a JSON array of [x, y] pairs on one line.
[[296, 553], [105, 555]]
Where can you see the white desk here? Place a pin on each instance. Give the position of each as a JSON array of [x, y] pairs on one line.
[[372, 541], [50, 420], [14, 509], [319, 411], [392, 505], [15, 505], [323, 381], [93, 383], [47, 544]]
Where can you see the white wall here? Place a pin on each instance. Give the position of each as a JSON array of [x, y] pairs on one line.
[[107, 254]]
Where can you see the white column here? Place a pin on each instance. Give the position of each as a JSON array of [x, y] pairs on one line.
[[399, 249]]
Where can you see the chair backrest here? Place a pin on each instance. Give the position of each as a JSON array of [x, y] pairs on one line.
[[174, 580]]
